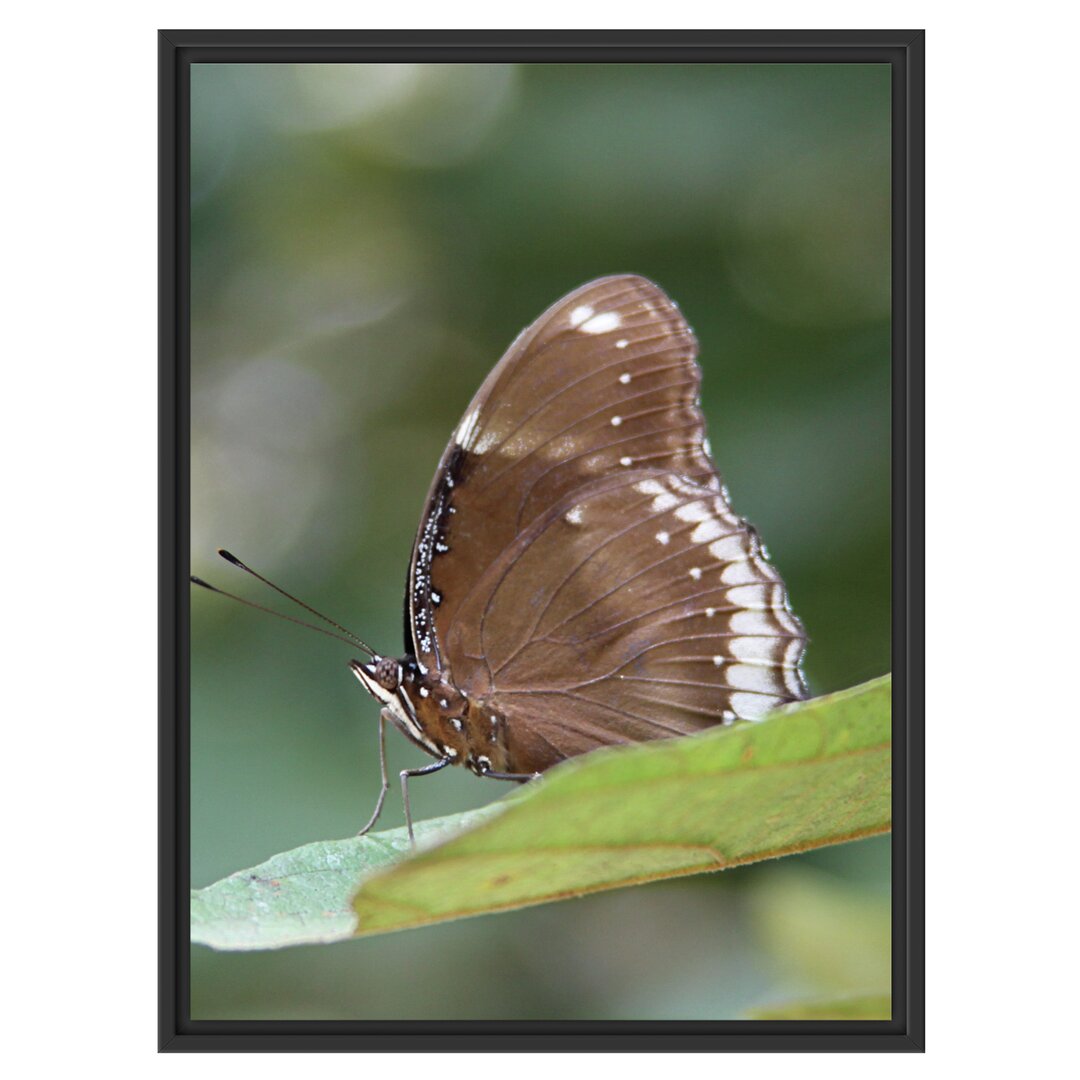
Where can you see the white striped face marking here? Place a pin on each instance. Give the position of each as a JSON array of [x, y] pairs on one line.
[[397, 704]]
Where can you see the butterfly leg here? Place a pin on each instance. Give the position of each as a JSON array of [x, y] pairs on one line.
[[385, 779], [435, 766], [520, 777]]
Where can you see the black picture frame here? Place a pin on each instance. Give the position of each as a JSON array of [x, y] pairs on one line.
[[903, 50]]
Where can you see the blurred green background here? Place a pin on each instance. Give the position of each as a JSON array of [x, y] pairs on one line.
[[366, 241]]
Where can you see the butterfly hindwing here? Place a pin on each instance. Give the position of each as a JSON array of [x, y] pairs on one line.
[[638, 609]]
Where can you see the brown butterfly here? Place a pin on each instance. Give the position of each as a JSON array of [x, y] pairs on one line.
[[578, 577]]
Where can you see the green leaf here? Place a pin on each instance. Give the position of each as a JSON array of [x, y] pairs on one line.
[[301, 897], [809, 775], [870, 1007]]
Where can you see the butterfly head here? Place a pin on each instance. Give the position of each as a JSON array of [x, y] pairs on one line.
[[381, 676]]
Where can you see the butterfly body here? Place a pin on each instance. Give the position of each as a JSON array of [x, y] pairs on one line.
[[578, 577], [439, 717]]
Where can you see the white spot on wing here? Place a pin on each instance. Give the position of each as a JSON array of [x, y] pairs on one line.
[[626, 461], [750, 622], [663, 537], [708, 530], [465, 429], [749, 596], [664, 502], [650, 487], [485, 442], [621, 343], [695, 572], [573, 516], [753, 706], [687, 487], [710, 612], [751, 677], [751, 649], [624, 378], [616, 421], [580, 314], [695, 511], [728, 549], [718, 661], [602, 323], [739, 573]]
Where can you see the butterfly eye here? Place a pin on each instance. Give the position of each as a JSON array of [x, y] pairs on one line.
[[388, 673]]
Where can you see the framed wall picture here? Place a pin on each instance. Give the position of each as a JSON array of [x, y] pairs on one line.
[[596, 360]]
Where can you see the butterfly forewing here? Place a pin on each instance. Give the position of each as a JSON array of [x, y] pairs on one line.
[[578, 563], [604, 377]]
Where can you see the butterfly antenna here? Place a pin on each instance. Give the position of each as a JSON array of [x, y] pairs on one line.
[[228, 556], [277, 614]]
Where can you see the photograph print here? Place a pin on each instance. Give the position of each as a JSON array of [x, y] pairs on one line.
[[540, 514]]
